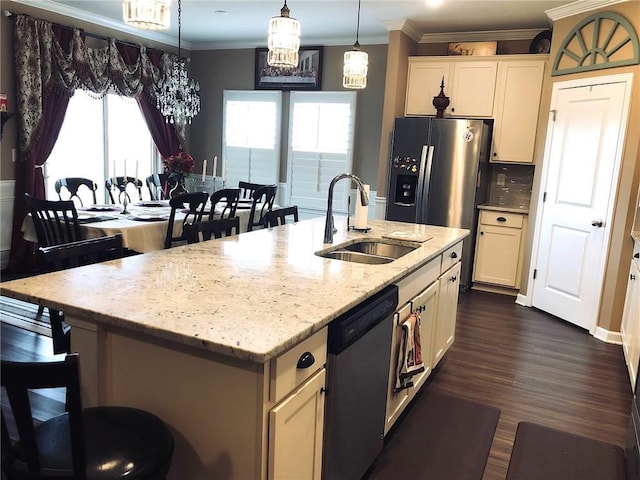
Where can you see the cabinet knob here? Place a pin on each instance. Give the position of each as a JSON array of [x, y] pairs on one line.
[[306, 360], [597, 223], [636, 255], [501, 219], [495, 154], [481, 232], [632, 277], [453, 279], [454, 255]]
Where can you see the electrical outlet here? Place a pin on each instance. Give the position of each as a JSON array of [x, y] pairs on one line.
[[501, 179]]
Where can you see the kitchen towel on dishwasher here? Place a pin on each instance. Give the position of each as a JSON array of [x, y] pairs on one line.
[[409, 353]]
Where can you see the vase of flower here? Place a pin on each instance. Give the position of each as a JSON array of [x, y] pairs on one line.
[[178, 167]]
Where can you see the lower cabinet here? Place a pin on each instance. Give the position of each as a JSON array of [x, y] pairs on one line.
[[295, 432], [630, 326], [437, 306], [445, 326], [499, 247]]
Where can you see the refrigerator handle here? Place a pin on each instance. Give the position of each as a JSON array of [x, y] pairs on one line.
[[423, 183]]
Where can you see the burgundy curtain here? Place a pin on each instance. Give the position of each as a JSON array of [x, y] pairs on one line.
[[51, 63], [28, 171], [164, 134]]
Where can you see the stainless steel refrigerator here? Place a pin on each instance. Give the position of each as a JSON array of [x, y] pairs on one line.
[[439, 173]]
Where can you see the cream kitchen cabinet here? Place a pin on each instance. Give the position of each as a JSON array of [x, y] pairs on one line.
[[499, 248], [630, 326], [516, 108], [296, 423], [445, 325], [470, 85]]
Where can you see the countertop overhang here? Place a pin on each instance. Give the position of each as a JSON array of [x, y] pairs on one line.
[[250, 297]]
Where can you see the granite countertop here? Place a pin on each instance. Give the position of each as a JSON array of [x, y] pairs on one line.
[[251, 296], [504, 208]]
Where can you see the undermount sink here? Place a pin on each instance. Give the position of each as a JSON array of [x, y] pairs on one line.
[[373, 252]]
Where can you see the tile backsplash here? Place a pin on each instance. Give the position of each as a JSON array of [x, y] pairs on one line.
[[511, 184]]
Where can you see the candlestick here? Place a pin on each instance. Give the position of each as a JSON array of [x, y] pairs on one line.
[[224, 171], [125, 171], [204, 169], [136, 169], [215, 165]]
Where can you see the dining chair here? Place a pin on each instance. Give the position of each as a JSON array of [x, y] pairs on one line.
[[69, 255], [120, 186], [263, 198], [55, 221], [158, 186], [115, 442], [279, 215], [227, 196], [218, 228], [193, 204], [247, 189], [72, 186]]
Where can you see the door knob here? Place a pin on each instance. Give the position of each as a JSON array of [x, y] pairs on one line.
[[597, 223]]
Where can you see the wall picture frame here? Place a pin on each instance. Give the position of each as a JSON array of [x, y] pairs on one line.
[[475, 49], [307, 76]]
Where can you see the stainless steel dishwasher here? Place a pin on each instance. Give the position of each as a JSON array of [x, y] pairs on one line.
[[358, 355]]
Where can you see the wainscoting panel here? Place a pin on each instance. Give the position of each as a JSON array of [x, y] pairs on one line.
[[7, 188]]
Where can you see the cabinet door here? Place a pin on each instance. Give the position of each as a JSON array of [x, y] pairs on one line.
[[473, 88], [497, 255], [295, 432], [427, 305], [445, 323], [518, 90], [423, 83], [396, 401], [630, 327]]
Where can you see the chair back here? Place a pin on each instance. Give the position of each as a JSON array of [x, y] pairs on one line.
[[230, 197], [55, 222], [263, 199], [247, 189], [20, 377], [195, 203], [119, 187], [218, 228], [82, 252], [279, 215], [158, 186], [72, 184]]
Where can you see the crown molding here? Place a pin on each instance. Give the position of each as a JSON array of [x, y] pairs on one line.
[[480, 36], [578, 7], [405, 26], [77, 14]]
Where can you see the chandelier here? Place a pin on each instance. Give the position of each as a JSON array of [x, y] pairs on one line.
[[147, 14], [283, 40], [356, 63], [179, 97]]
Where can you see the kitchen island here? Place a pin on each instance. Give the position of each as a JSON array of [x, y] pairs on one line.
[[206, 335]]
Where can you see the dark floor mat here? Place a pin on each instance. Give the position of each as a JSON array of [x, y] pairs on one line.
[[541, 452], [442, 437]]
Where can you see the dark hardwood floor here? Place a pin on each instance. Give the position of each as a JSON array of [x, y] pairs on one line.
[[531, 365], [534, 367]]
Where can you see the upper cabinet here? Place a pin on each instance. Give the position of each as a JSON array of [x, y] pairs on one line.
[[469, 85], [516, 108], [506, 88]]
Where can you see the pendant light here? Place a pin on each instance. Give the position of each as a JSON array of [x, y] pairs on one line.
[[179, 97], [356, 63], [283, 40], [147, 14]]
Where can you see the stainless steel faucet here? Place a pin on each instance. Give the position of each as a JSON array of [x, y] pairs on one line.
[[364, 200]]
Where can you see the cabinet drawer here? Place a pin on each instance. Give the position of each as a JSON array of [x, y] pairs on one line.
[[417, 281], [503, 219], [285, 374], [450, 257]]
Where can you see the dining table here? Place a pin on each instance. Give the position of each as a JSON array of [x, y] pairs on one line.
[[143, 226]]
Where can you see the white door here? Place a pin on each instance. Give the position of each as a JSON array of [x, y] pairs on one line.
[[582, 161]]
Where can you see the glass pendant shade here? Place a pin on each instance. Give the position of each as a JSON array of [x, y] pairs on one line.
[[356, 65], [283, 40], [147, 14]]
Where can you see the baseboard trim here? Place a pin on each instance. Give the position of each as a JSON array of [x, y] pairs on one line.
[[608, 336]]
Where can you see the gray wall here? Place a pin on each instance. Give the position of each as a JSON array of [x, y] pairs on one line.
[[219, 70]]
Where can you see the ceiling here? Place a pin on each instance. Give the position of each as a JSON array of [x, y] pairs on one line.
[[209, 24]]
